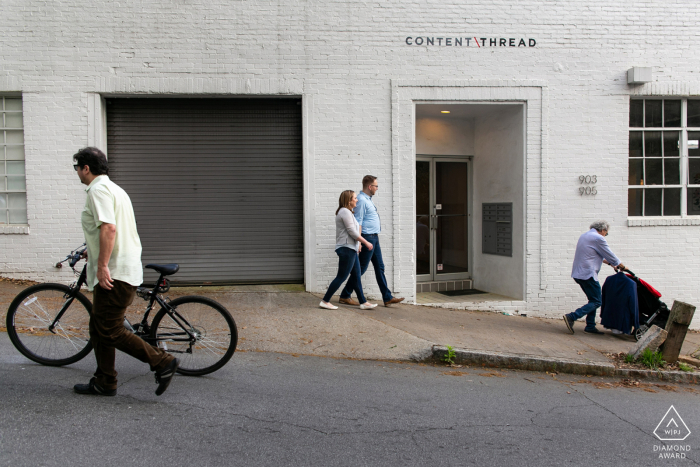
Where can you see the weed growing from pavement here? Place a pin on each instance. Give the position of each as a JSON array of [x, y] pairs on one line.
[[629, 358], [449, 357], [683, 367], [652, 360]]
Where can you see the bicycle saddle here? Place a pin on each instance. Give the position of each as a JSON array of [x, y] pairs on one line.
[[165, 269]]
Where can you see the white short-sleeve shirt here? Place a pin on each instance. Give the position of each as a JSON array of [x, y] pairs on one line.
[[107, 203]]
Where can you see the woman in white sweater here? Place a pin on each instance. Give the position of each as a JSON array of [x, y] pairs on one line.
[[347, 246]]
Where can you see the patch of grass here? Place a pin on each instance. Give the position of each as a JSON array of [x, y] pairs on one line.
[[684, 367], [652, 360], [629, 358], [449, 357]]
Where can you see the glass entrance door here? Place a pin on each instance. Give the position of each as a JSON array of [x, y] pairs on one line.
[[442, 219]]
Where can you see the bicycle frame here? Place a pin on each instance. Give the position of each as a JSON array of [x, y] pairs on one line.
[[153, 296], [143, 328]]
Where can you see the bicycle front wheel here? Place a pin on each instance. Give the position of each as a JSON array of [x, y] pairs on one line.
[[214, 330], [31, 316]]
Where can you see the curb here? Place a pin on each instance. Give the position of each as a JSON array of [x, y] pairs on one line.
[[669, 376], [530, 363], [520, 362]]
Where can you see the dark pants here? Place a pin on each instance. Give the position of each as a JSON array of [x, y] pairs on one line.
[[348, 265], [107, 332], [591, 288], [375, 256]]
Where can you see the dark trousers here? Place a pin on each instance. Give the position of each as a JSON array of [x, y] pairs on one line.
[[375, 256], [107, 332], [348, 265], [591, 288]]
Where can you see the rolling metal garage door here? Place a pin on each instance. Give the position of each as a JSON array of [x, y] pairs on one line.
[[216, 185]]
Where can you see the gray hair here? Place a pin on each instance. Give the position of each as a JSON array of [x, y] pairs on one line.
[[600, 226]]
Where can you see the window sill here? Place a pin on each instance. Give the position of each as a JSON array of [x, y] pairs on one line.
[[16, 229], [658, 221]]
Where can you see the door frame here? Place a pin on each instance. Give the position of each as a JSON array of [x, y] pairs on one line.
[[433, 276]]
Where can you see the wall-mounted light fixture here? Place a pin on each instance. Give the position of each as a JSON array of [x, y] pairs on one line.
[[444, 111], [639, 75]]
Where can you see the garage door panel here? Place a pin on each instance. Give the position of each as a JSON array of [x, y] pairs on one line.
[[216, 185]]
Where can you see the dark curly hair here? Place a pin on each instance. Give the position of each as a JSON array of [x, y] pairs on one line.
[[93, 158]]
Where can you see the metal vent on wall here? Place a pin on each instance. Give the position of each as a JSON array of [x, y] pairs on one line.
[[497, 227], [216, 185]]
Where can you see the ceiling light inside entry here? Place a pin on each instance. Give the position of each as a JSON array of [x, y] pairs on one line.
[[444, 111]]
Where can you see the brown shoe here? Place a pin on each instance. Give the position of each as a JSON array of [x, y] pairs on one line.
[[349, 301], [393, 300]]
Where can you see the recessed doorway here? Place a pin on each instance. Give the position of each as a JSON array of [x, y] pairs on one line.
[[470, 196]]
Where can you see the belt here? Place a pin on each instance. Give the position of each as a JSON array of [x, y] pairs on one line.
[[369, 235]]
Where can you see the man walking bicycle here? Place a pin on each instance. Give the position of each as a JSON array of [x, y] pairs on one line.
[[370, 227], [114, 271]]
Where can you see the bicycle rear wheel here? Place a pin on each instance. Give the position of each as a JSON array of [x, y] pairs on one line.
[[216, 335], [34, 310]]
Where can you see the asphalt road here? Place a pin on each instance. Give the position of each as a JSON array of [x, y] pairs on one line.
[[277, 409]]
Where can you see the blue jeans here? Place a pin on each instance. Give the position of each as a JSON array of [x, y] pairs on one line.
[[348, 265], [591, 288], [375, 256]]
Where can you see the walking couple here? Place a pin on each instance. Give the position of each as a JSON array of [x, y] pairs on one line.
[[357, 228]]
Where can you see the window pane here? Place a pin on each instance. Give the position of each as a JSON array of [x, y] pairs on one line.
[[694, 171], [693, 112], [13, 104], [16, 182], [672, 201], [14, 153], [3, 204], [14, 137], [15, 167], [653, 171], [636, 174], [672, 113], [671, 144], [652, 115], [636, 145], [652, 202], [17, 201], [652, 144], [634, 202], [18, 216], [2, 168], [636, 113], [693, 202], [693, 136], [13, 120], [672, 172]]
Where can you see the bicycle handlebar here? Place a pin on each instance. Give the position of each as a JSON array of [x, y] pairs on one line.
[[73, 257]]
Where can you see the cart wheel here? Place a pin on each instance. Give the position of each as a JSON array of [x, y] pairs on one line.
[[639, 332]]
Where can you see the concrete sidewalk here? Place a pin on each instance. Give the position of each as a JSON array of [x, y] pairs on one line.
[[287, 319]]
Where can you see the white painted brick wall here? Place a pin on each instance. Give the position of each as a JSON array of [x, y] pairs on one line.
[[342, 57]]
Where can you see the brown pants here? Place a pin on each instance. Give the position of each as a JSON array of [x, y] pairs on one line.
[[107, 332]]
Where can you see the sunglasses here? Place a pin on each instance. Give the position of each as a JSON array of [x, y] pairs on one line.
[[77, 166]]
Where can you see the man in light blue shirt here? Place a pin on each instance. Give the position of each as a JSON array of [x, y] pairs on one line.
[[592, 251], [370, 226]]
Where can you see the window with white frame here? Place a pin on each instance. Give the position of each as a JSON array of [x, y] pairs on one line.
[[13, 187], [664, 159]]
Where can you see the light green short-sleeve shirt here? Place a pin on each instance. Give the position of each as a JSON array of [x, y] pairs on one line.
[[107, 203]]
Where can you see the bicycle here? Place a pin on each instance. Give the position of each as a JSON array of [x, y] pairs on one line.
[[49, 323]]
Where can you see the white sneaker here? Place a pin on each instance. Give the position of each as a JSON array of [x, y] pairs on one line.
[[327, 306], [368, 306], [616, 331]]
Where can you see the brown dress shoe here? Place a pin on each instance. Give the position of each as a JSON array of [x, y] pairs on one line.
[[349, 301], [393, 300]]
